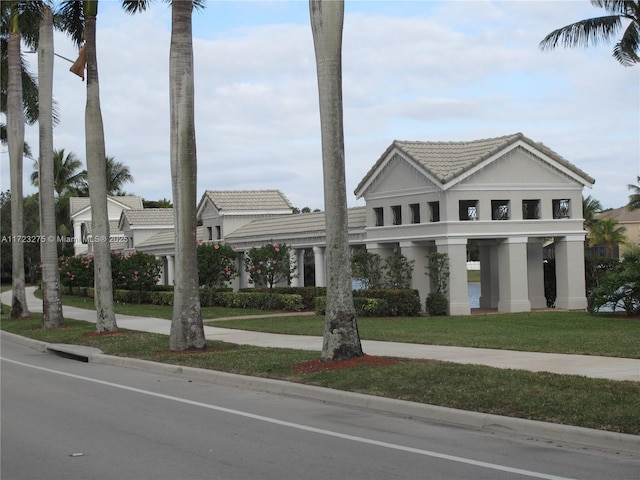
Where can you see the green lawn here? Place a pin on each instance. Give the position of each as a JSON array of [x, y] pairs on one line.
[[566, 399], [548, 331]]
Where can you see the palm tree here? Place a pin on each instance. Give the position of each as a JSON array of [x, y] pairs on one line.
[[607, 232], [595, 30], [341, 339], [117, 175], [187, 331], [72, 15], [634, 198], [23, 21], [66, 178], [590, 207], [51, 299]]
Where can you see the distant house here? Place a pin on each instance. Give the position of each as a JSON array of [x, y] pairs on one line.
[[80, 211], [629, 219], [224, 211], [140, 225]]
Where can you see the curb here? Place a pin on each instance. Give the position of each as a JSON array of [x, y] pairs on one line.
[[557, 433]]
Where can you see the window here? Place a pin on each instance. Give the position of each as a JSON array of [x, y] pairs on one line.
[[209, 233], [561, 208], [379, 213], [397, 214], [499, 209], [415, 212], [468, 210], [434, 211], [218, 232], [530, 209]]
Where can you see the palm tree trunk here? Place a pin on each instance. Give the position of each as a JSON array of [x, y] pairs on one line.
[[96, 174], [187, 331], [341, 339], [51, 300], [15, 140]]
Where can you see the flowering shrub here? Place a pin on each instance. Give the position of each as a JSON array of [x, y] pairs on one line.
[[138, 271], [269, 265], [76, 271], [216, 264]]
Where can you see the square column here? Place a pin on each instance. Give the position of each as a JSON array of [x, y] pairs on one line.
[[570, 282], [489, 276], [458, 291], [319, 264], [171, 266], [513, 277], [296, 259], [535, 273], [419, 279]]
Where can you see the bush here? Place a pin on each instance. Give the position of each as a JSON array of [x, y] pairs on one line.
[[437, 304], [379, 303], [76, 272], [308, 294], [400, 302], [269, 265], [619, 286], [366, 268], [258, 300], [216, 264]]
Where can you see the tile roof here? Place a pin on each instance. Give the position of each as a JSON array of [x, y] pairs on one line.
[[248, 200], [79, 203], [309, 224], [166, 238], [150, 216], [622, 215], [447, 160]]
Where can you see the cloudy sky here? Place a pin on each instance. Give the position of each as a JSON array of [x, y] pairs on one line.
[[420, 70]]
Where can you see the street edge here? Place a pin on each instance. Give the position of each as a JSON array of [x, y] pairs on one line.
[[557, 433]]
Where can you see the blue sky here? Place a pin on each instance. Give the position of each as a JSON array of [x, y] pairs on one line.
[[421, 70]]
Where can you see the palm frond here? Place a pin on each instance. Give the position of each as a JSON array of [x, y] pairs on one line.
[[583, 33]]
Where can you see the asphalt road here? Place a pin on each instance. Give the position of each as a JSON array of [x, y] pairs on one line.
[[64, 419]]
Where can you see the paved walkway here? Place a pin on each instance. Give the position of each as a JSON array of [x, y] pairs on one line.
[[585, 365]]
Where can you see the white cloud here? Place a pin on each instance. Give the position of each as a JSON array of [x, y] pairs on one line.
[[436, 71]]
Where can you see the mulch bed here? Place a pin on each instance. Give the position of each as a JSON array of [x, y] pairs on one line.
[[318, 365]]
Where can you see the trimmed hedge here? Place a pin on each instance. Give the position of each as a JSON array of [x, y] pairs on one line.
[[308, 294], [401, 302], [259, 300], [365, 307]]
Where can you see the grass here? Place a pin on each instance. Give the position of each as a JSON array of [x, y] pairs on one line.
[[572, 400], [548, 331]]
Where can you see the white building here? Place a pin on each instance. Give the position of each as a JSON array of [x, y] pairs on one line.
[[510, 194]]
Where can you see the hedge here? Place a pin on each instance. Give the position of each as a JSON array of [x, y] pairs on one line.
[[259, 300]]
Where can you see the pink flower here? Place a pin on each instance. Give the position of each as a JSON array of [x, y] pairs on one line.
[[277, 249], [135, 272], [258, 271], [216, 246]]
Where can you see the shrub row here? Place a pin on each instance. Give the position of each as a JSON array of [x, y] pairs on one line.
[[259, 300], [308, 294], [368, 303]]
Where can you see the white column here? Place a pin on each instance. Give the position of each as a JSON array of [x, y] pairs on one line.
[[419, 278], [171, 263], [318, 259], [535, 269], [458, 291], [570, 283], [300, 265], [513, 281], [489, 275]]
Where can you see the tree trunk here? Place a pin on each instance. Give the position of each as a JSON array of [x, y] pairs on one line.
[[187, 331], [51, 300], [96, 175], [15, 140], [341, 339]]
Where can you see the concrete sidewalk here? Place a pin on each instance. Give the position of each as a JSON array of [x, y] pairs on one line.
[[585, 365]]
